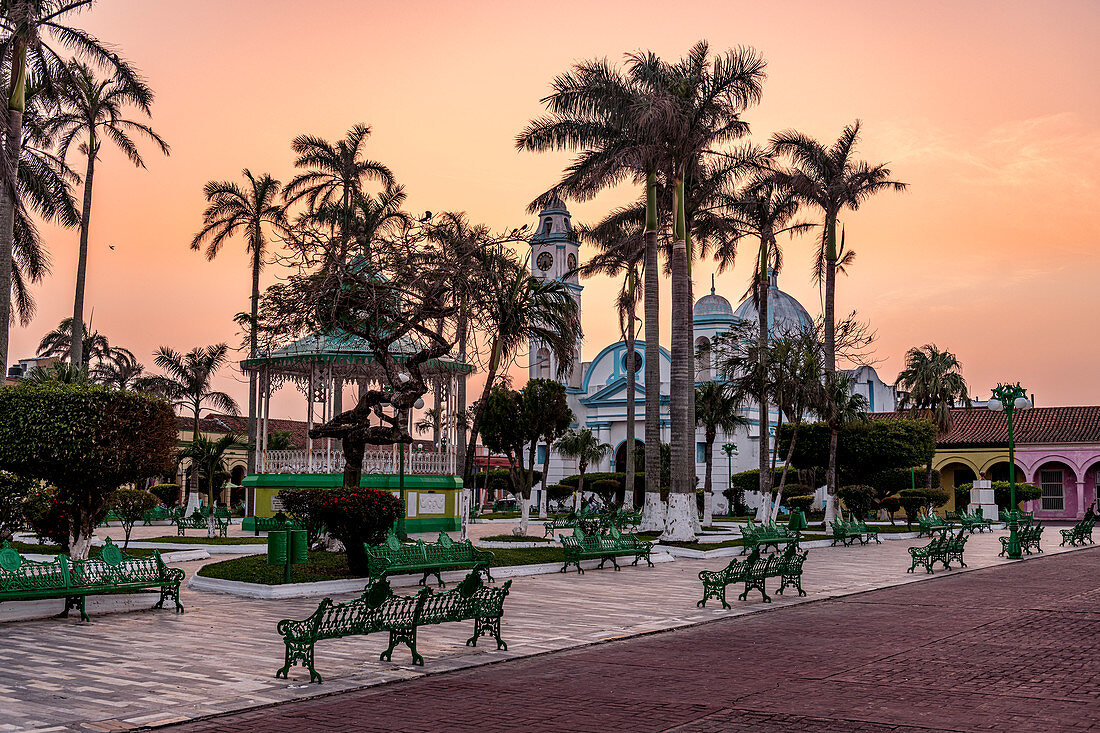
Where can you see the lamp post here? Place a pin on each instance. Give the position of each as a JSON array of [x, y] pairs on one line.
[[1009, 398], [730, 450]]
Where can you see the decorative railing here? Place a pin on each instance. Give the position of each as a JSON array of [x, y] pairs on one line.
[[375, 460]]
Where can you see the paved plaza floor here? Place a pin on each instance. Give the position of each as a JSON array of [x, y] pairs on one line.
[[959, 649]]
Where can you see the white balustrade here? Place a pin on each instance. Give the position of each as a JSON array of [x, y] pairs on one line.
[[375, 460]]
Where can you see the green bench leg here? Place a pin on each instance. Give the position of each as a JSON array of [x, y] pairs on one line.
[[298, 652], [755, 585], [405, 635], [487, 627]]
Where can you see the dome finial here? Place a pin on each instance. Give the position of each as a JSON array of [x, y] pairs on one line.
[[712, 283], [773, 278]]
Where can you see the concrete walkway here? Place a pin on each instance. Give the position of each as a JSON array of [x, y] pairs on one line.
[[155, 667]]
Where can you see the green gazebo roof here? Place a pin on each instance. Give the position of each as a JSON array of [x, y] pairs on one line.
[[344, 349]]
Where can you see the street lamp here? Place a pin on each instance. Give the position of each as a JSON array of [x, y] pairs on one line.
[[1008, 398], [730, 450]]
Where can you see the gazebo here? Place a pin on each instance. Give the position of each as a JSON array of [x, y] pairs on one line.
[[319, 365]]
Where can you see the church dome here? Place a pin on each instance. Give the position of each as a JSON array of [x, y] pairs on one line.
[[712, 306], [785, 313]]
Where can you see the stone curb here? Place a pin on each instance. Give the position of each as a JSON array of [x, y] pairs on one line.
[[693, 554], [260, 591]]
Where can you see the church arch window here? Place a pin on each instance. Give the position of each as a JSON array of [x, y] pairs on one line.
[[547, 225], [703, 360], [542, 361]]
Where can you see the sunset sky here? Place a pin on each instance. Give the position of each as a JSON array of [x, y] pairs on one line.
[[989, 110]]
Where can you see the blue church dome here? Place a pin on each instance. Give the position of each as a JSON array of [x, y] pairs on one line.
[[712, 307], [785, 313]]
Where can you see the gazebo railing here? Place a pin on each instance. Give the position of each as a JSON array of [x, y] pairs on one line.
[[375, 460]]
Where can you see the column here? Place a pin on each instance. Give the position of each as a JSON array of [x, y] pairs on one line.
[[1080, 500]]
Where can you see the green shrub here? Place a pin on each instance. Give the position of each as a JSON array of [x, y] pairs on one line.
[[356, 516], [605, 488], [48, 516], [14, 491], [863, 449], [558, 492], [167, 494], [858, 498], [87, 440], [130, 505], [914, 500], [302, 506], [792, 490], [893, 480], [891, 504], [593, 476], [800, 502]]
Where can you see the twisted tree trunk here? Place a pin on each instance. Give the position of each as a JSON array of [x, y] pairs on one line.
[[631, 409], [653, 511]]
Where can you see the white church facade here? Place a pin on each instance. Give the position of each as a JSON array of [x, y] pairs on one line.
[[596, 389]]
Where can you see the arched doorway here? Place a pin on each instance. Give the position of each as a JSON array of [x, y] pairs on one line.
[[620, 465], [952, 475], [1058, 483]]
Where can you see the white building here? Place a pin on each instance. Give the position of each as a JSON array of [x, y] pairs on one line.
[[596, 389]]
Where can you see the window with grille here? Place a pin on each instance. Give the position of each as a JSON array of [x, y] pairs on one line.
[[1053, 490]]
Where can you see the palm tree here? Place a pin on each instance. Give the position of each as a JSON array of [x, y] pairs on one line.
[[795, 366], [120, 370], [584, 446], [187, 380], [208, 463], [515, 309], [704, 98], [334, 175], [246, 211], [58, 343], [429, 422], [763, 208], [716, 408], [44, 186], [607, 118], [34, 32], [932, 382], [92, 111], [831, 179]]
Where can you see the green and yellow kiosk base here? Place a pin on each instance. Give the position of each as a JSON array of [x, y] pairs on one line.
[[431, 501]]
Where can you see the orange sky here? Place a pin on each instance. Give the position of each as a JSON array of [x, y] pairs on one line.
[[987, 109]]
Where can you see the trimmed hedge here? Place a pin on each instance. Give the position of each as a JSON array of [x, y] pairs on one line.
[[1001, 493], [864, 449], [858, 498], [893, 480]]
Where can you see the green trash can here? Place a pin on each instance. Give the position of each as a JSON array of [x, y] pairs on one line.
[[299, 550], [797, 521], [276, 548]]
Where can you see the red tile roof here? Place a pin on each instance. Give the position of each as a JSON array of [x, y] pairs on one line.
[[979, 426]]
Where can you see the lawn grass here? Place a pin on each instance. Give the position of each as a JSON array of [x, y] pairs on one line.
[[514, 538], [334, 566], [204, 540], [29, 548]]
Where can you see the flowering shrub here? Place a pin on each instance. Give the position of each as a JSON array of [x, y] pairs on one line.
[[352, 515]]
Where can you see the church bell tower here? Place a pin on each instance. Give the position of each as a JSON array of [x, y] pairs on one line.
[[555, 255]]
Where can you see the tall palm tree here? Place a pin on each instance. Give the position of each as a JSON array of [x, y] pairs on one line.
[[764, 208], [334, 174], [587, 449], [36, 35], [831, 179], [92, 111], [188, 378], [717, 407], [607, 118], [207, 463], [932, 382], [58, 343], [704, 98], [246, 211], [515, 309]]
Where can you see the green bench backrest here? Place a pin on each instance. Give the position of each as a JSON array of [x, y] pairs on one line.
[[17, 573]]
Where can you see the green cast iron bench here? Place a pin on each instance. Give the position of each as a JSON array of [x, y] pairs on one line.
[[1080, 532], [378, 610], [622, 519], [753, 570], [974, 522], [198, 521], [1025, 519], [113, 572], [768, 536], [267, 524], [1029, 537], [932, 523], [943, 548], [611, 546], [393, 557], [847, 532], [161, 514]]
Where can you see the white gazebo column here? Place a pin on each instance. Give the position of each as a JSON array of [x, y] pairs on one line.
[[309, 416]]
